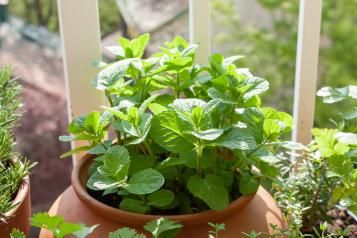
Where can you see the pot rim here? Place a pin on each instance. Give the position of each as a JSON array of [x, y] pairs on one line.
[[135, 219], [22, 192]]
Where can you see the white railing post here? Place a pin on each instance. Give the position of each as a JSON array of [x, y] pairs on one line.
[[306, 69], [80, 36], [200, 28]]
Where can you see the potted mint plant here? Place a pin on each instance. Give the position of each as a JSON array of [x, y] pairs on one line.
[[15, 205], [185, 141]]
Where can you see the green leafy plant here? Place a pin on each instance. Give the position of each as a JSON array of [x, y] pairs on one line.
[[13, 168], [159, 228], [324, 174], [59, 227], [187, 136], [271, 36]]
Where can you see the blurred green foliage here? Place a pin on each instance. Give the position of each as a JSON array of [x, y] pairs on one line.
[[271, 52], [44, 13]]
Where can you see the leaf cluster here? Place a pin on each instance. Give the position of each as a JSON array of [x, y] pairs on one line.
[[324, 174], [188, 137], [12, 167]]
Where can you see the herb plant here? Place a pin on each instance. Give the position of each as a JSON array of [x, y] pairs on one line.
[[323, 174], [159, 228], [13, 168], [188, 137]]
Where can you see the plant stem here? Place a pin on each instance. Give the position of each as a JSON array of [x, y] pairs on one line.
[[199, 158], [178, 84], [148, 148], [258, 147], [111, 104]]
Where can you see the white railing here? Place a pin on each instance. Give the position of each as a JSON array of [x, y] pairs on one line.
[[80, 33]]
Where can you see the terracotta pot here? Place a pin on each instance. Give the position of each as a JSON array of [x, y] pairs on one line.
[[254, 212], [19, 216]]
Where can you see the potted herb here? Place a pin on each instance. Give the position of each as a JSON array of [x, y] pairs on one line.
[[324, 175], [15, 206], [191, 142]]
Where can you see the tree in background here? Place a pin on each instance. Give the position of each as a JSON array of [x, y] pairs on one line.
[[44, 13], [271, 52]]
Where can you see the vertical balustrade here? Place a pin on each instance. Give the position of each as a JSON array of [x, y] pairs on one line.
[[80, 36], [306, 69], [200, 28]]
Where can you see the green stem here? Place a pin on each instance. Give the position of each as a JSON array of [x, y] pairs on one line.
[[143, 89], [178, 84], [111, 104], [258, 147], [199, 158], [148, 148]]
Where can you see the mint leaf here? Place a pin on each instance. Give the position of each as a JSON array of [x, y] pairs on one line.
[[165, 132], [333, 95], [98, 181], [210, 189], [163, 228], [248, 184], [161, 198], [145, 182], [91, 122], [210, 134], [125, 233], [116, 163], [255, 86], [15, 233], [347, 138], [55, 224], [236, 138], [85, 231], [111, 74], [133, 205]]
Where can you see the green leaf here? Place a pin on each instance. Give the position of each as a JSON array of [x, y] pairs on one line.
[[157, 108], [98, 181], [210, 134], [216, 94], [100, 149], [75, 151], [163, 228], [139, 44], [133, 205], [256, 87], [15, 233], [248, 184], [291, 145], [210, 189], [92, 122], [165, 132], [85, 231], [333, 95], [236, 138], [347, 138], [271, 128], [125, 233], [111, 74], [325, 140], [145, 182], [116, 161], [231, 60], [186, 105], [140, 162], [55, 224], [161, 198]]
